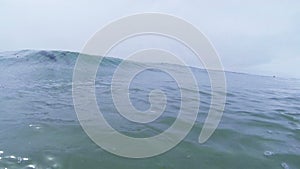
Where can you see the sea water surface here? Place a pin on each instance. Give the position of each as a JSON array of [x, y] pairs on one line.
[[260, 128]]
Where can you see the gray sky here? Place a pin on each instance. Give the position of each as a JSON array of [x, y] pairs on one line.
[[254, 36]]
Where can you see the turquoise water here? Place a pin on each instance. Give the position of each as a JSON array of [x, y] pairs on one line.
[[260, 127]]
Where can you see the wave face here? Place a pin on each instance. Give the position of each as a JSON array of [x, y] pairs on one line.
[[260, 127]]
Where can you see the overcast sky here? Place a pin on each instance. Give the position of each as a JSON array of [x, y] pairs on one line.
[[254, 36]]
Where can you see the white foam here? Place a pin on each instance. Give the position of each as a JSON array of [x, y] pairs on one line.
[[25, 159], [31, 166], [284, 165], [12, 157], [268, 153]]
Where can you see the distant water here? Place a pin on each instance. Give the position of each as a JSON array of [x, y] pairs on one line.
[[260, 127]]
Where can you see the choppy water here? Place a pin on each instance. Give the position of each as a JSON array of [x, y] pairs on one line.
[[260, 127]]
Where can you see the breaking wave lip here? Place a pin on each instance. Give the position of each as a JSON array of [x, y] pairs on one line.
[[69, 58], [49, 56], [66, 57]]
